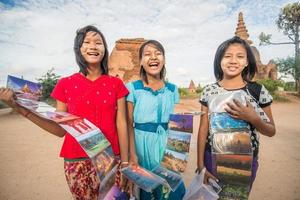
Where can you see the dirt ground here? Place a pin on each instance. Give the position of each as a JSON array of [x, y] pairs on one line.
[[31, 169]]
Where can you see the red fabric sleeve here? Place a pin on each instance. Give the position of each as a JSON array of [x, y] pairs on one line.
[[121, 89], [58, 92]]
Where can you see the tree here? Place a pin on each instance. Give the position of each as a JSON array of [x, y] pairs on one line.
[[288, 21], [286, 66], [48, 82]]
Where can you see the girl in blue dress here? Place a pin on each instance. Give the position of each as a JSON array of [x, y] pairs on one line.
[[150, 102]]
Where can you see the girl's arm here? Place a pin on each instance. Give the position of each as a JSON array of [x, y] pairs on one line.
[[122, 129], [247, 113], [133, 156], [202, 135], [7, 96], [265, 128]]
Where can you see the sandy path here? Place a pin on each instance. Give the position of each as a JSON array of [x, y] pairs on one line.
[[31, 169]]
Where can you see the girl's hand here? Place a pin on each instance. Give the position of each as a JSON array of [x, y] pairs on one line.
[[7, 96], [239, 111], [207, 175]]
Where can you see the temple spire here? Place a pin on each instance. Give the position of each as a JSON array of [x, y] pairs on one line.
[[241, 30]]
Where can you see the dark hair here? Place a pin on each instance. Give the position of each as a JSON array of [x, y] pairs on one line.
[[80, 35], [248, 72], [159, 46]]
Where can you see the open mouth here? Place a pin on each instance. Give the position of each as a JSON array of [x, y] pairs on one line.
[[93, 54], [154, 64]]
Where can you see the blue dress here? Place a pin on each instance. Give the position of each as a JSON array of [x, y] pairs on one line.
[[151, 116]]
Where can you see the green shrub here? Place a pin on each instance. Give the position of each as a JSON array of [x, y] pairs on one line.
[[289, 86], [183, 92], [271, 85]]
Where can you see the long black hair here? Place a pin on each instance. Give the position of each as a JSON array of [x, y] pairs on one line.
[[248, 72], [80, 35], [160, 47]]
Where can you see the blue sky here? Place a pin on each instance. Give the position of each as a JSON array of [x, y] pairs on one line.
[[36, 35]]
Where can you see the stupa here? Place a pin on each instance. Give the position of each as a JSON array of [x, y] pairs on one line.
[[263, 71]]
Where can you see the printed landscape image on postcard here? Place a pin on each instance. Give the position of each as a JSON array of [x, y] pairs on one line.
[[24, 89], [173, 179], [232, 143], [175, 161], [143, 178], [234, 174], [225, 123], [181, 122], [107, 183], [113, 194], [93, 142], [179, 141], [104, 162]]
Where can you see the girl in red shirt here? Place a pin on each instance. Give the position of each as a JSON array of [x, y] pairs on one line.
[[90, 94]]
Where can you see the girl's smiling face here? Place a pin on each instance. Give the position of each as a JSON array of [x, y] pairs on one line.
[[152, 60], [92, 48], [234, 61]]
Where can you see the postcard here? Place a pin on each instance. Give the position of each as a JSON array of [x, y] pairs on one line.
[[173, 180], [174, 161], [143, 178], [232, 143], [93, 142], [179, 141], [107, 183], [234, 174], [113, 194], [24, 89], [181, 122], [104, 162], [223, 122]]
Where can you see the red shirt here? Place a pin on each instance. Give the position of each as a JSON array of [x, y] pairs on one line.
[[94, 100]]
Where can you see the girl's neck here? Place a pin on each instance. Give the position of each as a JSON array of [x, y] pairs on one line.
[[233, 82], [94, 72], [154, 82]]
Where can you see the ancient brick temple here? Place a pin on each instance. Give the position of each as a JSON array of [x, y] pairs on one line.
[[192, 87], [124, 59], [263, 71]]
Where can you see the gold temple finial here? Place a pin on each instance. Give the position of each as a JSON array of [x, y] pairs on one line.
[[241, 30]]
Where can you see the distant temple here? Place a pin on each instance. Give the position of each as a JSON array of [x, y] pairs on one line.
[[192, 88], [124, 59], [263, 71]]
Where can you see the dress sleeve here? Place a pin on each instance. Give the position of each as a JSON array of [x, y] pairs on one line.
[[130, 97], [121, 89], [59, 91], [265, 98], [204, 96]]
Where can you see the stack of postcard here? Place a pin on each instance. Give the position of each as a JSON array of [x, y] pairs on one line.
[[90, 137], [174, 160], [179, 139], [232, 152]]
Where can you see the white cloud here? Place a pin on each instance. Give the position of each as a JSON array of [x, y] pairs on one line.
[[36, 35]]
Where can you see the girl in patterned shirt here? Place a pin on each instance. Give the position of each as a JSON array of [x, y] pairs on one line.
[[234, 67]]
